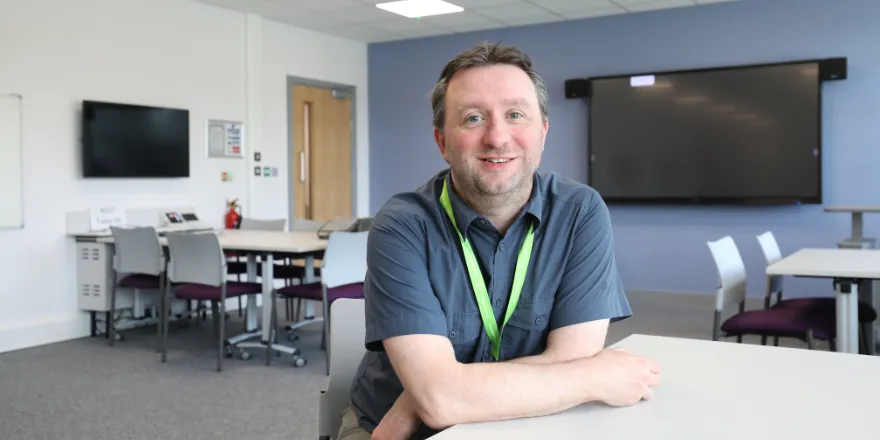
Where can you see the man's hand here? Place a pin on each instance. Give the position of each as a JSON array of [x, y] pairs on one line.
[[623, 378], [400, 422]]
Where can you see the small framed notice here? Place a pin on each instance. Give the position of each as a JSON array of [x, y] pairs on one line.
[[225, 139]]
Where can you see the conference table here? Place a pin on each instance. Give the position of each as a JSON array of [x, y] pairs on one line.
[[848, 269], [263, 244], [717, 391]]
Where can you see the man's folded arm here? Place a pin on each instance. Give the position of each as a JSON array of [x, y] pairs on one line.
[[405, 319]]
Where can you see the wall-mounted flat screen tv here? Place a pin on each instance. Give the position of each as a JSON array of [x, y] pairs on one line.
[[749, 134], [134, 141]]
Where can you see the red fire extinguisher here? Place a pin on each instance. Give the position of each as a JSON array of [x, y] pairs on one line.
[[233, 214]]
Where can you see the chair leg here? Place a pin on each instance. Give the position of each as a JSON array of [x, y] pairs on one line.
[[165, 312], [221, 324], [273, 325], [239, 298], [159, 312], [111, 323], [811, 343]]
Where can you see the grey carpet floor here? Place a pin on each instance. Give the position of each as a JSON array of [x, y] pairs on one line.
[[84, 389]]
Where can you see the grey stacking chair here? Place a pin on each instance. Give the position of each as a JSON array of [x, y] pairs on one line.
[[237, 267], [343, 274], [347, 332], [199, 267], [263, 225], [138, 263]]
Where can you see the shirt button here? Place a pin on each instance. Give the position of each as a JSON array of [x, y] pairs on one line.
[[497, 303], [501, 246], [538, 321], [452, 334]]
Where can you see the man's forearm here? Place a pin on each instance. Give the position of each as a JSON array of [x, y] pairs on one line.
[[527, 387]]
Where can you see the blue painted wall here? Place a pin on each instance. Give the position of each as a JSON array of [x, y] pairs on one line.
[[662, 248]]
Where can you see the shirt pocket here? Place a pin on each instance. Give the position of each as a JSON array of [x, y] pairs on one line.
[[464, 333], [526, 332]]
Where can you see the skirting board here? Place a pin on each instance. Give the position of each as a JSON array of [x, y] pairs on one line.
[[42, 331], [53, 329]]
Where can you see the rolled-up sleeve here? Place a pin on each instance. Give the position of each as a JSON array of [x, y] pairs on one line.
[[591, 288], [399, 298]]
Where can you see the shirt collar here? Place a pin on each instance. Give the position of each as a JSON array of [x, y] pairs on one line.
[[465, 215]]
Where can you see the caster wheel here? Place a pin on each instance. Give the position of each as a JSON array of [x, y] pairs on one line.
[[293, 338], [245, 355], [277, 353], [229, 352], [117, 336], [296, 352], [299, 362]]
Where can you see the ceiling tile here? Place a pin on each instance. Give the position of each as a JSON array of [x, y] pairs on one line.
[[597, 11], [354, 31], [362, 14], [558, 6], [477, 26], [511, 11], [470, 4], [403, 24], [460, 18], [650, 5], [531, 19]]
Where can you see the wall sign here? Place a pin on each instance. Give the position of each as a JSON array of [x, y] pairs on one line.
[[225, 139]]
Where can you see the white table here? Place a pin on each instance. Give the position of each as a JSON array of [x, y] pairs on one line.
[[719, 391], [849, 268], [303, 244]]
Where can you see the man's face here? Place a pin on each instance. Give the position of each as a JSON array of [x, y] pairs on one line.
[[494, 132]]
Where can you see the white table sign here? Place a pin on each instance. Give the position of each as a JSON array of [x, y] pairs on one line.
[[102, 217]]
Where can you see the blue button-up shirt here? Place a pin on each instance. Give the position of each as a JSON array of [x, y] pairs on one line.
[[417, 281]]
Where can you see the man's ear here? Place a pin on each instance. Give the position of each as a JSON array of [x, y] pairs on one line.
[[546, 129], [440, 139]]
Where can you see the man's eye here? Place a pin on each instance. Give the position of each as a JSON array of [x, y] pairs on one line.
[[516, 115], [473, 119]]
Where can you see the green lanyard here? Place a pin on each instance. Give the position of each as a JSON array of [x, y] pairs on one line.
[[479, 284]]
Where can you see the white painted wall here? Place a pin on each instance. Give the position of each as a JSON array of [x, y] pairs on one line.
[[215, 62]]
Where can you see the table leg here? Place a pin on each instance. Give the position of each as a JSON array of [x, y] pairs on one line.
[[268, 285], [251, 307], [856, 226], [847, 316], [310, 278]]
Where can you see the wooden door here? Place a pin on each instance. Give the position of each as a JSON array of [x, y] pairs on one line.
[[321, 163]]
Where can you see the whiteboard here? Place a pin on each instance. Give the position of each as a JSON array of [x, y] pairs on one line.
[[11, 215]]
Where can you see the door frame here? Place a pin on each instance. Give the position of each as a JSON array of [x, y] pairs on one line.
[[291, 113]]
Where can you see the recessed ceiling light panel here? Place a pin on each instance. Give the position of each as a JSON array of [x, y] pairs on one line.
[[420, 8]]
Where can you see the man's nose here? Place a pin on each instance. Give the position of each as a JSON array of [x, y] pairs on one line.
[[497, 133]]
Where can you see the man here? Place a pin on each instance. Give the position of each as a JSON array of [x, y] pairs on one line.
[[490, 289]]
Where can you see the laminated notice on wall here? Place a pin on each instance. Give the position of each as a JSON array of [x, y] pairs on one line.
[[225, 139]]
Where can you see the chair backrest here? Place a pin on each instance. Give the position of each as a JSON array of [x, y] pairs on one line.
[[263, 225], [196, 257], [347, 333], [345, 259], [304, 224], [731, 273], [137, 250], [363, 224], [772, 254]]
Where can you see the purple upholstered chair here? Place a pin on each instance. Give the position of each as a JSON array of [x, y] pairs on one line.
[[138, 263], [342, 276], [822, 305], [198, 264], [800, 323]]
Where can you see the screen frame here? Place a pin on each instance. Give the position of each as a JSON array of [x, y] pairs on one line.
[[672, 200], [86, 153]]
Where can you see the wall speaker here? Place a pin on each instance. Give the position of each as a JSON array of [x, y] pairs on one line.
[[577, 88], [832, 69]]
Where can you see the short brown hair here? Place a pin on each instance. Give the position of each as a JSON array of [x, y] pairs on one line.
[[485, 54]]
